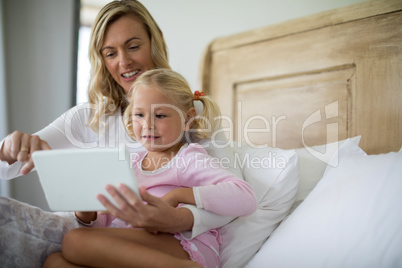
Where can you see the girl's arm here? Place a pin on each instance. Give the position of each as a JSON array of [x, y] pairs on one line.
[[232, 197], [214, 188]]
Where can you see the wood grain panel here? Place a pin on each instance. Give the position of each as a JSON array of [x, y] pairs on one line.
[[265, 111]]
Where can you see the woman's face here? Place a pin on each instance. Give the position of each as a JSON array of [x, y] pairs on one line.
[[126, 50]]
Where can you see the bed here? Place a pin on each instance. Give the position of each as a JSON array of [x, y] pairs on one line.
[[322, 94]]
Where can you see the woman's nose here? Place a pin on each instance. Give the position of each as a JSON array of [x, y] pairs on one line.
[[125, 60]]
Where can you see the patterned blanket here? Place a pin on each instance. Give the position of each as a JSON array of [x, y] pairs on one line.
[[28, 234]]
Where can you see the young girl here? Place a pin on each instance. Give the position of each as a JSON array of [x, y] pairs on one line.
[[160, 115]]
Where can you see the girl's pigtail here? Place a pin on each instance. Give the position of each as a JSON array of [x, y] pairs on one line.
[[209, 120]]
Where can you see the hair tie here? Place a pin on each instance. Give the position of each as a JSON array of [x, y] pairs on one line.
[[197, 95]]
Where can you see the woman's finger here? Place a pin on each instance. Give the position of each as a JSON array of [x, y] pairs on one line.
[[35, 144], [45, 145], [29, 145], [12, 145], [23, 143]]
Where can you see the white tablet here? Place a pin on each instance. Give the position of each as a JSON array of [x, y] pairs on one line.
[[72, 178]]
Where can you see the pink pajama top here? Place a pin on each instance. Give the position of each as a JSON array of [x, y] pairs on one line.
[[215, 189]]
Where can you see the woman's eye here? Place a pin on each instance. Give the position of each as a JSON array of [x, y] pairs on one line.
[[110, 54], [134, 47]]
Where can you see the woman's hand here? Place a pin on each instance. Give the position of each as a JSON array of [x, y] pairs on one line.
[[179, 195], [19, 146], [155, 215]]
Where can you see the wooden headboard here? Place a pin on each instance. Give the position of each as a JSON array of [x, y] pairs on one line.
[[313, 80]]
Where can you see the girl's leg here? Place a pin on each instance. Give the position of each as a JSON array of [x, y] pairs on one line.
[[114, 247], [56, 260]]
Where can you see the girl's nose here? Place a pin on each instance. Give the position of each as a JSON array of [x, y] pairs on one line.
[[147, 123]]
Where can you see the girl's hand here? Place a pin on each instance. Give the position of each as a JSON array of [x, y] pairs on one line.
[[85, 216], [154, 214], [19, 146]]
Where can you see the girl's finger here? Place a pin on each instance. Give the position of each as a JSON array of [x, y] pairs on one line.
[[132, 198], [108, 205], [120, 200]]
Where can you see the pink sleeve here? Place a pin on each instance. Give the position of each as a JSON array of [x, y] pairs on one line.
[[216, 189], [103, 220]]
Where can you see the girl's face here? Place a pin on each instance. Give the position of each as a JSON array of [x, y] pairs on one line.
[[126, 50], [157, 123]]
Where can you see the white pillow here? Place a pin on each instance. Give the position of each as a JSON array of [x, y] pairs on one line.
[[312, 163], [352, 218], [273, 174]]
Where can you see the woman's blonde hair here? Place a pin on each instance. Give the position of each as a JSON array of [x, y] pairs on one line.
[[104, 93], [176, 88]]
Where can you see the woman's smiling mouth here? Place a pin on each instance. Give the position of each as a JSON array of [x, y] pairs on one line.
[[130, 74]]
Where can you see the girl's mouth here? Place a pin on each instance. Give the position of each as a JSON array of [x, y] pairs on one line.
[[150, 137]]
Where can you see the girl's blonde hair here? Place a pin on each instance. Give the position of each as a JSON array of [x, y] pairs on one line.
[[176, 88], [104, 93]]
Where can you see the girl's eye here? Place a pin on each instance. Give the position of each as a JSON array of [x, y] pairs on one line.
[[160, 116], [138, 115]]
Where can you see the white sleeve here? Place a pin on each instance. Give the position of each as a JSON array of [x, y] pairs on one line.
[[9, 171], [50, 134], [204, 221], [55, 134]]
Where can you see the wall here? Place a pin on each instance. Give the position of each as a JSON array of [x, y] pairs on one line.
[[189, 26], [39, 46], [4, 189]]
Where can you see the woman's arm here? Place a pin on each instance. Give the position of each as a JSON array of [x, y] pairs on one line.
[[16, 149], [15, 153], [232, 197], [180, 195]]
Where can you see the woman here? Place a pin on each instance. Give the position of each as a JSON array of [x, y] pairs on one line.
[[125, 42]]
